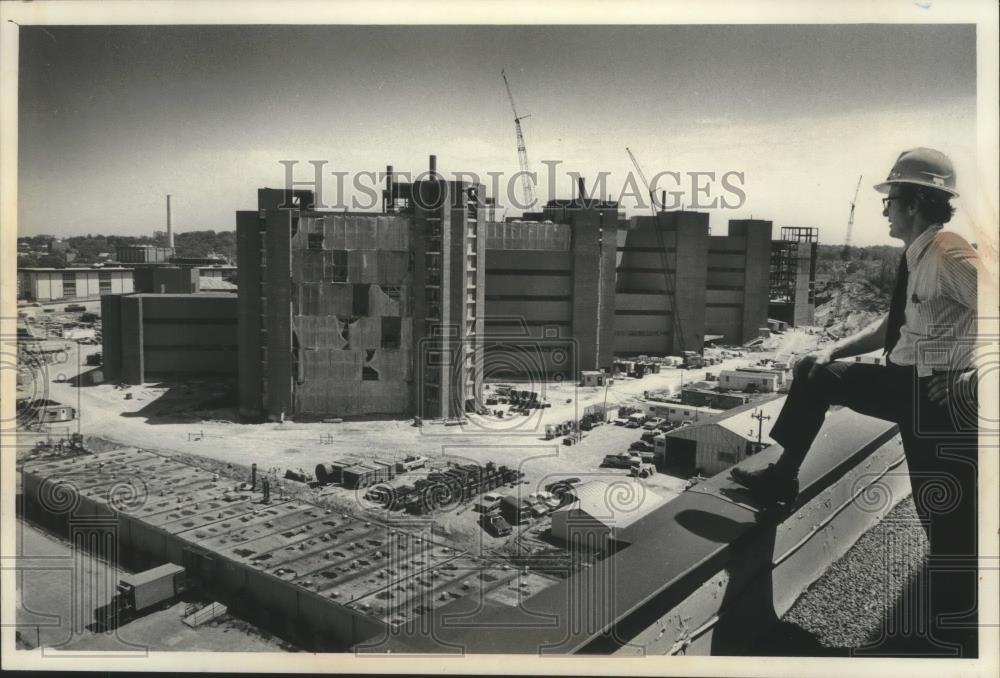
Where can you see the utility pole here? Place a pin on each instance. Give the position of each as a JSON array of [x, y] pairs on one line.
[[760, 417]]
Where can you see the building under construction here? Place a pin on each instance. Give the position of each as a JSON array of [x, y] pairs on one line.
[[550, 290], [677, 284], [347, 314], [793, 275]]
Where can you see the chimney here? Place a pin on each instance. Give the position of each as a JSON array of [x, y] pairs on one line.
[[253, 476], [663, 200], [389, 203], [170, 229], [581, 187], [434, 165]]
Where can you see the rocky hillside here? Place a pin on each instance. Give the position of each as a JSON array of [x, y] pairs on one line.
[[844, 308]]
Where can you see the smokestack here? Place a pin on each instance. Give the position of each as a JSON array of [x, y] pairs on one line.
[[253, 476], [663, 200], [389, 205], [581, 187], [170, 229], [434, 165]]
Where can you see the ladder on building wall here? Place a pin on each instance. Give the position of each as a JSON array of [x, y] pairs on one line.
[[668, 277]]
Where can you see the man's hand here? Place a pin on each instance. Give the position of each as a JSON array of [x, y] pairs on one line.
[[809, 364], [945, 386]]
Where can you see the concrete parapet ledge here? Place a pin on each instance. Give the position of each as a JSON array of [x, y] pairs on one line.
[[708, 574]]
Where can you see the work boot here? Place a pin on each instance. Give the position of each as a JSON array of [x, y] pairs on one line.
[[771, 484]]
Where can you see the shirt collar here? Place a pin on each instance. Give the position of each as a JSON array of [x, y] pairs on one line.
[[920, 244]]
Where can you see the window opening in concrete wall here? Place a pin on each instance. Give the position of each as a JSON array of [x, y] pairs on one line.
[[336, 266], [391, 332], [315, 241], [360, 305]]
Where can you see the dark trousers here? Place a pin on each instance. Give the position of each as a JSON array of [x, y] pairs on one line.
[[941, 452]]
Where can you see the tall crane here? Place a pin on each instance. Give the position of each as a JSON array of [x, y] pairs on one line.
[[845, 253], [668, 279], [522, 151]]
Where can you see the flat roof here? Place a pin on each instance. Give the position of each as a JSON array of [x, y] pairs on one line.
[[182, 295], [69, 269]]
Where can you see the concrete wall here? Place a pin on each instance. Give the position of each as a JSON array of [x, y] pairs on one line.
[[249, 318], [738, 269], [646, 320], [163, 335]]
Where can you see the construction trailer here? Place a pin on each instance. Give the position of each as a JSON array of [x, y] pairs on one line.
[[137, 593]]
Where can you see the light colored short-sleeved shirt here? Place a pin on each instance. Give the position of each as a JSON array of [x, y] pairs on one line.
[[939, 332]]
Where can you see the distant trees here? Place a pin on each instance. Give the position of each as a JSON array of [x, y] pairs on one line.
[[89, 247], [875, 265]]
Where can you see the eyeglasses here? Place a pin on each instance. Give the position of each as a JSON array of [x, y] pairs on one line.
[[886, 201]]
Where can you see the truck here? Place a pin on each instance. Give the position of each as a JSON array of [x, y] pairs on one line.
[[410, 463], [692, 360], [641, 469], [141, 592], [495, 524]]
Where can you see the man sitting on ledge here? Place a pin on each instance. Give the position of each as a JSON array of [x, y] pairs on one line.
[[927, 386]]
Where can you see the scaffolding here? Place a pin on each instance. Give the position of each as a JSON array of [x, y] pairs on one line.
[[797, 248]]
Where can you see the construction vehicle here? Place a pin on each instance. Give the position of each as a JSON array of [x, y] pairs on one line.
[[692, 360], [138, 593]]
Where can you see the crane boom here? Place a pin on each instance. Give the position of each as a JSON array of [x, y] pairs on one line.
[[850, 218], [668, 281], [522, 151]]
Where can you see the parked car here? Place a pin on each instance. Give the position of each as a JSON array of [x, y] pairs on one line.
[[632, 423], [495, 524], [94, 358], [641, 446], [71, 308], [621, 421], [649, 436], [619, 460], [410, 462], [489, 502], [653, 423]]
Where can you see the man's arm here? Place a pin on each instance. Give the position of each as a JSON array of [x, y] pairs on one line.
[[867, 340]]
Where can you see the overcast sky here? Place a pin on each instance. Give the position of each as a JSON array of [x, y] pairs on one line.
[[114, 118]]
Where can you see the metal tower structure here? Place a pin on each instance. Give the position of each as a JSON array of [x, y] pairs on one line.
[[522, 151]]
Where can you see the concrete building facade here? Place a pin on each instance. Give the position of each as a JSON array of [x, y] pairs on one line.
[[550, 290], [646, 321], [736, 290], [158, 335], [362, 314], [55, 284]]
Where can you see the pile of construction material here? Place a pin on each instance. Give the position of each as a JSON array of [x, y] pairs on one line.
[[520, 401], [444, 489]]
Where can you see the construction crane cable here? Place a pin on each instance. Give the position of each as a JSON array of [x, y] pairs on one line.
[[668, 282]]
